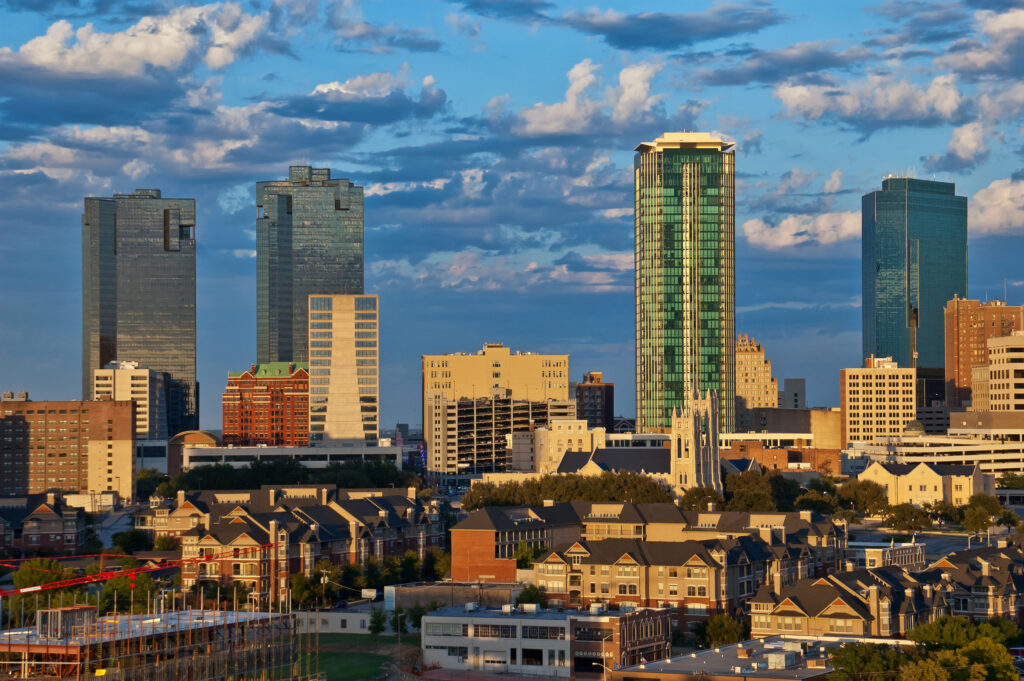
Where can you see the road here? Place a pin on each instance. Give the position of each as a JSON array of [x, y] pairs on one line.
[[111, 523]]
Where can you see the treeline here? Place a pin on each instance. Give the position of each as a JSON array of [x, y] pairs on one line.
[[350, 474], [948, 649], [631, 487], [331, 582]]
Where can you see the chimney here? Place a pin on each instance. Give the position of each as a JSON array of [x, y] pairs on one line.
[[873, 608], [271, 496], [712, 507], [252, 369], [548, 503], [51, 498], [181, 497]]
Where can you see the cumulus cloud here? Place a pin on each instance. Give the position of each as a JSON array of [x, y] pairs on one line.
[[216, 32], [354, 33], [966, 149], [877, 101], [1002, 51], [998, 208], [796, 230], [657, 30], [834, 182], [796, 61]]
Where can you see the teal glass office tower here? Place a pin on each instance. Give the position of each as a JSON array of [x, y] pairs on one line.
[[914, 259], [685, 260], [309, 240], [139, 294]]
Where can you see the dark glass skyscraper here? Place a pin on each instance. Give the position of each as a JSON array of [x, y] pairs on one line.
[[309, 240], [685, 276], [139, 293], [914, 245]]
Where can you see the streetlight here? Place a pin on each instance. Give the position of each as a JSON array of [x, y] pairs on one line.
[[604, 669]]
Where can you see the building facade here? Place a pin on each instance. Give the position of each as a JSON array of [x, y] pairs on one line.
[[694, 456], [344, 386], [309, 240], [914, 259], [969, 324], [267, 405], [755, 386], [928, 483], [139, 293], [146, 388], [684, 223], [67, 446], [877, 400], [793, 394], [595, 401], [1006, 373]]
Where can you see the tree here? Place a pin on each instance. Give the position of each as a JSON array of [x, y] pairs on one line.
[[121, 593], [784, 491], [165, 543], [399, 620], [907, 518], [525, 556], [326, 575], [1011, 481], [993, 657], [813, 500], [436, 563], [392, 570], [532, 594], [951, 632], [414, 615], [720, 630], [132, 541], [146, 482], [372, 575], [302, 589], [748, 491], [700, 499], [378, 621], [944, 512], [980, 512], [863, 496], [618, 486], [927, 669], [1008, 519], [866, 662], [410, 570]]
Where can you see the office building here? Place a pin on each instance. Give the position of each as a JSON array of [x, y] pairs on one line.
[[309, 240], [1006, 373], [595, 401], [685, 276], [755, 387], [344, 388], [145, 387], [267, 405], [793, 394], [914, 259], [969, 324], [529, 641], [876, 400], [139, 293], [66, 446]]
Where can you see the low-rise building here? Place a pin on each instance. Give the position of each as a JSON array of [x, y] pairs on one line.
[[877, 400], [40, 524], [321, 456], [980, 583], [929, 483], [864, 554], [530, 640], [268, 404], [785, 458]]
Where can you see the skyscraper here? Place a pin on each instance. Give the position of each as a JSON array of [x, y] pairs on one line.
[[309, 240], [139, 293], [756, 388], [685, 277], [343, 370], [914, 259]]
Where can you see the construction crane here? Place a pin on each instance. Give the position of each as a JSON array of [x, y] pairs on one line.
[[132, 572]]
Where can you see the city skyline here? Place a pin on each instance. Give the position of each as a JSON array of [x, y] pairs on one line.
[[497, 182]]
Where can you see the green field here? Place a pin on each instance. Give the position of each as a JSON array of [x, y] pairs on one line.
[[352, 666]]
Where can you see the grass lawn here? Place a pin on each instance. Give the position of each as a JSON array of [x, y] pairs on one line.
[[365, 640], [351, 666]]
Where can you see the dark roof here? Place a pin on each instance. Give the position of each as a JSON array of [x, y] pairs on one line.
[[634, 459], [572, 462]]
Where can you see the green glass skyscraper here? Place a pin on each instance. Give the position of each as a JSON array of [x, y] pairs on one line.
[[139, 294], [685, 276], [309, 240], [914, 248]]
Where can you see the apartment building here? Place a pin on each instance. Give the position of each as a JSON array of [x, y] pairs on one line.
[[268, 404], [40, 524], [877, 400], [146, 388], [595, 401], [1006, 373]]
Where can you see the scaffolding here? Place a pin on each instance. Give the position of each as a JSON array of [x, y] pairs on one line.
[[177, 645]]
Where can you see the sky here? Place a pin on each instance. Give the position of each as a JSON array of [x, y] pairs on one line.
[[494, 139]]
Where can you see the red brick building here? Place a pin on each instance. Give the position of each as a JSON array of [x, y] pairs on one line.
[[267, 405], [825, 461]]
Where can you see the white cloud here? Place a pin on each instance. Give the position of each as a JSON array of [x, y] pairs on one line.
[[216, 31], [1004, 31], [966, 148], [244, 253], [614, 213], [794, 230], [835, 181], [632, 97], [380, 84], [877, 98], [998, 208], [385, 188], [572, 115], [464, 24]]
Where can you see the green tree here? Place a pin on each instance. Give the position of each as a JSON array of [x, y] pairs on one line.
[[749, 491], [326, 577], [926, 669], [1011, 481], [378, 621], [944, 512], [165, 543], [302, 589], [863, 496], [123, 592], [951, 632], [372, 574], [410, 570], [700, 499], [618, 486], [813, 500], [784, 491], [1008, 519], [146, 482], [414, 615], [532, 594], [132, 541], [866, 662], [399, 620], [907, 518], [352, 577], [392, 570], [436, 564], [719, 630], [995, 659], [525, 556]]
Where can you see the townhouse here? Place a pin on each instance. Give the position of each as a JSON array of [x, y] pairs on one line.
[[40, 524]]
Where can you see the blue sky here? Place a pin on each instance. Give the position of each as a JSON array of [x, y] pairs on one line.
[[494, 139]]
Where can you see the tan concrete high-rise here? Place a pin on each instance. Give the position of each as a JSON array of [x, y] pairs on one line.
[[343, 369], [877, 400], [969, 325], [755, 387], [528, 375], [144, 387], [1006, 373]]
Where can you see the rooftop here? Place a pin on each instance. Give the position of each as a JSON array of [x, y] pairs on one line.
[[686, 140], [460, 611]]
